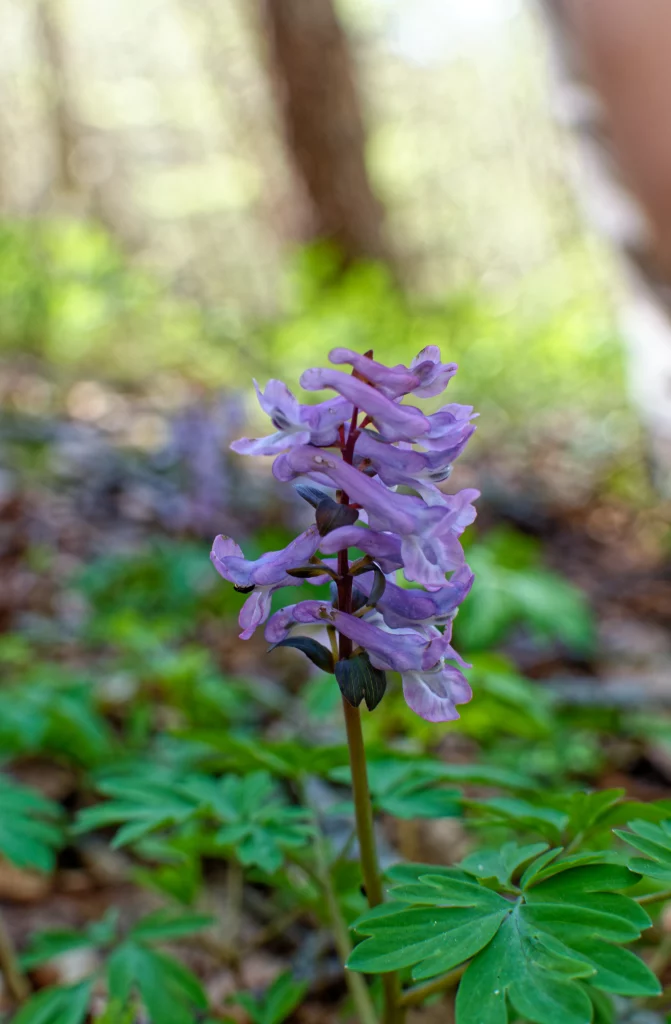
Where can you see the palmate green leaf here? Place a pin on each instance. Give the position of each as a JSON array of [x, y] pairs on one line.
[[247, 815], [277, 1003], [501, 864], [30, 826], [62, 1004], [655, 842], [536, 953], [139, 807], [256, 823], [164, 925], [170, 992], [522, 815], [407, 789], [46, 945]]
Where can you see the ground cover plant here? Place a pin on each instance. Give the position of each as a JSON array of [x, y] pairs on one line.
[[231, 798]]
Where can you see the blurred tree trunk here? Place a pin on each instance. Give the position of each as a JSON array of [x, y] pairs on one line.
[[613, 86], [321, 116], [57, 93]]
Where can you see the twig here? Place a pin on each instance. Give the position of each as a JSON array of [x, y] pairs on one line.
[[355, 982], [15, 979], [418, 993], [654, 897]]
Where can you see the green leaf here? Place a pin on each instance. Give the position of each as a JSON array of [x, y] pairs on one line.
[[522, 815], [163, 925], [655, 842], [501, 864], [282, 998], [49, 944], [517, 965], [62, 1004], [170, 992], [30, 826], [406, 788], [312, 649], [617, 970], [358, 681], [542, 870], [530, 950], [431, 940]]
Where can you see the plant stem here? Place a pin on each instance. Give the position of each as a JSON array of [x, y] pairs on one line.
[[15, 979], [418, 993], [366, 835], [654, 897], [362, 806], [357, 755]]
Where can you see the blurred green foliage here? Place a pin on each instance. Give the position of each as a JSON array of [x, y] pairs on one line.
[[545, 357]]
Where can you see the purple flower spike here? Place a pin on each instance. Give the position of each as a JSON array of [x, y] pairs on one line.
[[395, 422], [403, 630], [429, 534]]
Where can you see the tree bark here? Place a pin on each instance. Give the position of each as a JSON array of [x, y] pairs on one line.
[[612, 60], [321, 116]]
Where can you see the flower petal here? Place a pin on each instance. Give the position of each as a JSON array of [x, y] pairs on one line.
[[324, 418], [434, 694], [273, 444], [401, 651], [254, 611], [385, 548], [279, 403], [434, 376], [393, 380], [395, 422], [305, 612]]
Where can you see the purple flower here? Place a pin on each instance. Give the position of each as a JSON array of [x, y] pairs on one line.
[[392, 381], [410, 468], [263, 576], [450, 427], [434, 376], [408, 630], [280, 624], [385, 548], [401, 607], [431, 688], [429, 534], [394, 422], [294, 423], [434, 693]]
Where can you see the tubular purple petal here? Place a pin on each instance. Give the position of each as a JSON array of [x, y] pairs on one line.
[[393, 380], [395, 422], [280, 624], [254, 611], [401, 651], [433, 694], [385, 548], [434, 376]]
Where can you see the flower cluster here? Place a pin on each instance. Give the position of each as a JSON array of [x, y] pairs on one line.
[[373, 465]]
